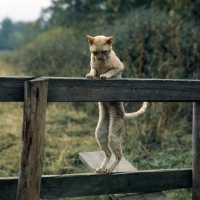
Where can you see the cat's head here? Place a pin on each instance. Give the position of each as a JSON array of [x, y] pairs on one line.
[[100, 46]]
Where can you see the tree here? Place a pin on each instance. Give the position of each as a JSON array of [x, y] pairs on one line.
[[5, 32], [12, 35], [72, 12], [88, 13]]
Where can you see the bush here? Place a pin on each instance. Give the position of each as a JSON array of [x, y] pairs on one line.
[[57, 52], [156, 44]]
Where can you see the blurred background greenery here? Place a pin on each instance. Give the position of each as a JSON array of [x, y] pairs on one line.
[[154, 39]]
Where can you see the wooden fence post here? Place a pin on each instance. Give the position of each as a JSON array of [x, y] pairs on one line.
[[196, 151], [30, 169]]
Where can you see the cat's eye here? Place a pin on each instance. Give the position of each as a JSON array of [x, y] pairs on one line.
[[103, 52], [94, 52]]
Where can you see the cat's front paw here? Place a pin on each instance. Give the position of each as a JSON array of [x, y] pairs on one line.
[[90, 75], [103, 76]]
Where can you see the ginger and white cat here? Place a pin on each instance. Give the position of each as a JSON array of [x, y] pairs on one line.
[[105, 64]]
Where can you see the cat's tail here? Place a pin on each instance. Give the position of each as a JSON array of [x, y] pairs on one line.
[[139, 112]]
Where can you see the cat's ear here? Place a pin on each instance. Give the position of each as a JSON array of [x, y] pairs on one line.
[[109, 40], [90, 39]]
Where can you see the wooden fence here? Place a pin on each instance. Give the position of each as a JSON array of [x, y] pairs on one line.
[[36, 92]]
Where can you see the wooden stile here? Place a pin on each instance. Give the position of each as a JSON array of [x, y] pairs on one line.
[[30, 170], [35, 96]]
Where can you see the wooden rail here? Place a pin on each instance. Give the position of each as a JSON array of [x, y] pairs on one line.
[[74, 185], [80, 89], [77, 89]]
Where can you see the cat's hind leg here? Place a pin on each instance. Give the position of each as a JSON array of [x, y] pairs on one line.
[[101, 134], [116, 128], [115, 145]]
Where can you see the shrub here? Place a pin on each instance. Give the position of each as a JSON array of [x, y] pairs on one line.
[[155, 44], [57, 52]]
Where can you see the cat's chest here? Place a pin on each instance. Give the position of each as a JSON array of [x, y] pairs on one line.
[[102, 67]]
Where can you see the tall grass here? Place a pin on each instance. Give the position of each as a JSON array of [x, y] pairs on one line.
[[10, 131]]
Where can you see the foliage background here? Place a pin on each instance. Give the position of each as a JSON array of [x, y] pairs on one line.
[[154, 39]]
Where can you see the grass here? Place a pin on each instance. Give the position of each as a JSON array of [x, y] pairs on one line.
[[66, 136], [159, 139]]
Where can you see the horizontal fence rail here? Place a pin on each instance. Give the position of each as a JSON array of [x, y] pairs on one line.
[[74, 185], [93, 90]]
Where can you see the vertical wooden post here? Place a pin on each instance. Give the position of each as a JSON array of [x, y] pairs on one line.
[[30, 169], [196, 151]]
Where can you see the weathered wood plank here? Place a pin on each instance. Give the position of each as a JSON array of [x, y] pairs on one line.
[[98, 184], [12, 88], [30, 170], [60, 186], [93, 90], [8, 187], [93, 160], [123, 90], [196, 151], [89, 90], [144, 196]]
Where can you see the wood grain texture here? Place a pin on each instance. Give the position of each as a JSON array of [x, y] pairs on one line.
[[8, 188], [74, 185], [123, 90], [196, 151], [30, 169], [98, 184], [12, 88], [93, 160], [94, 90], [144, 196]]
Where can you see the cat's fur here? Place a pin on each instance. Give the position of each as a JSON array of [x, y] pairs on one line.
[[105, 64]]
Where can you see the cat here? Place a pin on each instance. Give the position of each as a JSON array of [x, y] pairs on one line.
[[105, 64]]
